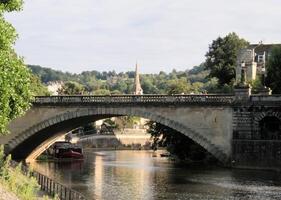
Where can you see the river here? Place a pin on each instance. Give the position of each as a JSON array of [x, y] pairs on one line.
[[134, 175]]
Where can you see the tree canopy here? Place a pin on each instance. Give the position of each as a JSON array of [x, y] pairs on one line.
[[38, 89], [221, 59], [106, 83], [179, 86], [71, 88], [15, 78], [176, 143], [273, 79]]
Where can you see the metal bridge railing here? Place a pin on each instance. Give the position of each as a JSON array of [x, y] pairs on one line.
[[50, 186], [135, 99]]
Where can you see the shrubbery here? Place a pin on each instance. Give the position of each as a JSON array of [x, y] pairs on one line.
[[23, 186]]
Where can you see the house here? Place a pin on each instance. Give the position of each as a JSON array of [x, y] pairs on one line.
[[253, 61], [54, 87]]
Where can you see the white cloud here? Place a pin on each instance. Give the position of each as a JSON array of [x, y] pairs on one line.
[[162, 34]]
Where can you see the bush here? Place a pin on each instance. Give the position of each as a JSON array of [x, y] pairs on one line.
[[24, 186]]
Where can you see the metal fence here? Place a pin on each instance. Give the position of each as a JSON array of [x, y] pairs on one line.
[[50, 186]]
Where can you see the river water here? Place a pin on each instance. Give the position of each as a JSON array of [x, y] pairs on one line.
[[134, 175]]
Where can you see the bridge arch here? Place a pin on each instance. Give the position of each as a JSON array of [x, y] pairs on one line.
[[260, 122], [30, 140], [259, 116]]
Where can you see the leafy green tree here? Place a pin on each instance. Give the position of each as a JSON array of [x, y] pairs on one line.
[[273, 79], [15, 94], [221, 58], [38, 89], [71, 88], [178, 86], [176, 143], [89, 128], [126, 122], [256, 84], [102, 92], [111, 122], [121, 86], [115, 92], [148, 86], [197, 87]]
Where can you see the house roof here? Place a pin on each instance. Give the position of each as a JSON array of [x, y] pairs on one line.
[[260, 48]]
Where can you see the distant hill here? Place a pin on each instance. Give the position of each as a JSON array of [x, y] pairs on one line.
[[123, 82], [48, 74]]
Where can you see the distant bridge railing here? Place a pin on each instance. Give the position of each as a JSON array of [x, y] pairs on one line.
[[273, 100], [263, 98], [136, 99]]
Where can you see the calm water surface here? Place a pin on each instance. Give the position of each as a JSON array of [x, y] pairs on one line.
[[126, 175]]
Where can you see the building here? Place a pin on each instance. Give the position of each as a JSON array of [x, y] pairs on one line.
[[54, 87], [137, 87], [252, 61]]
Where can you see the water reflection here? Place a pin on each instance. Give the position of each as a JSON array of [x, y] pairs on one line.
[[126, 175]]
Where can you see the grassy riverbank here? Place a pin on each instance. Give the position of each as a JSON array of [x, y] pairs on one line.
[[14, 183], [5, 194]]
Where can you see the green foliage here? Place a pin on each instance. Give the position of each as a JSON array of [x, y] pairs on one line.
[[24, 186], [107, 83], [71, 88], [15, 78], [47, 74], [111, 122], [256, 84], [102, 92], [38, 89], [10, 5], [175, 142], [273, 79], [221, 58], [178, 86], [90, 127], [126, 122]]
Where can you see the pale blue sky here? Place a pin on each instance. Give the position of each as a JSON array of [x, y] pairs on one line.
[[79, 35]]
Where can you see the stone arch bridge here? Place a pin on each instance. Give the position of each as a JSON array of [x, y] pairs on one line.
[[209, 120]]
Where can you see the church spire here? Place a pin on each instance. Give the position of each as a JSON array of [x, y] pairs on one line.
[[138, 89]]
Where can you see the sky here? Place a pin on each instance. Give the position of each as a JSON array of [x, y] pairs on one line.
[[161, 35]]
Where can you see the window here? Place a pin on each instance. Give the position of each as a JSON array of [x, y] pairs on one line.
[[260, 58]]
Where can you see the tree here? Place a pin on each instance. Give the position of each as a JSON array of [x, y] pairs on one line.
[[126, 122], [15, 79], [175, 142], [148, 86], [102, 92], [273, 79], [178, 86], [71, 88], [38, 89], [221, 59]]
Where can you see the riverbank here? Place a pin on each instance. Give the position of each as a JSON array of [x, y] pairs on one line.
[[16, 183], [5, 194]]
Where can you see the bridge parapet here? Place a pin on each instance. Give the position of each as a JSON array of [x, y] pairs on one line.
[[136, 99], [266, 100]]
